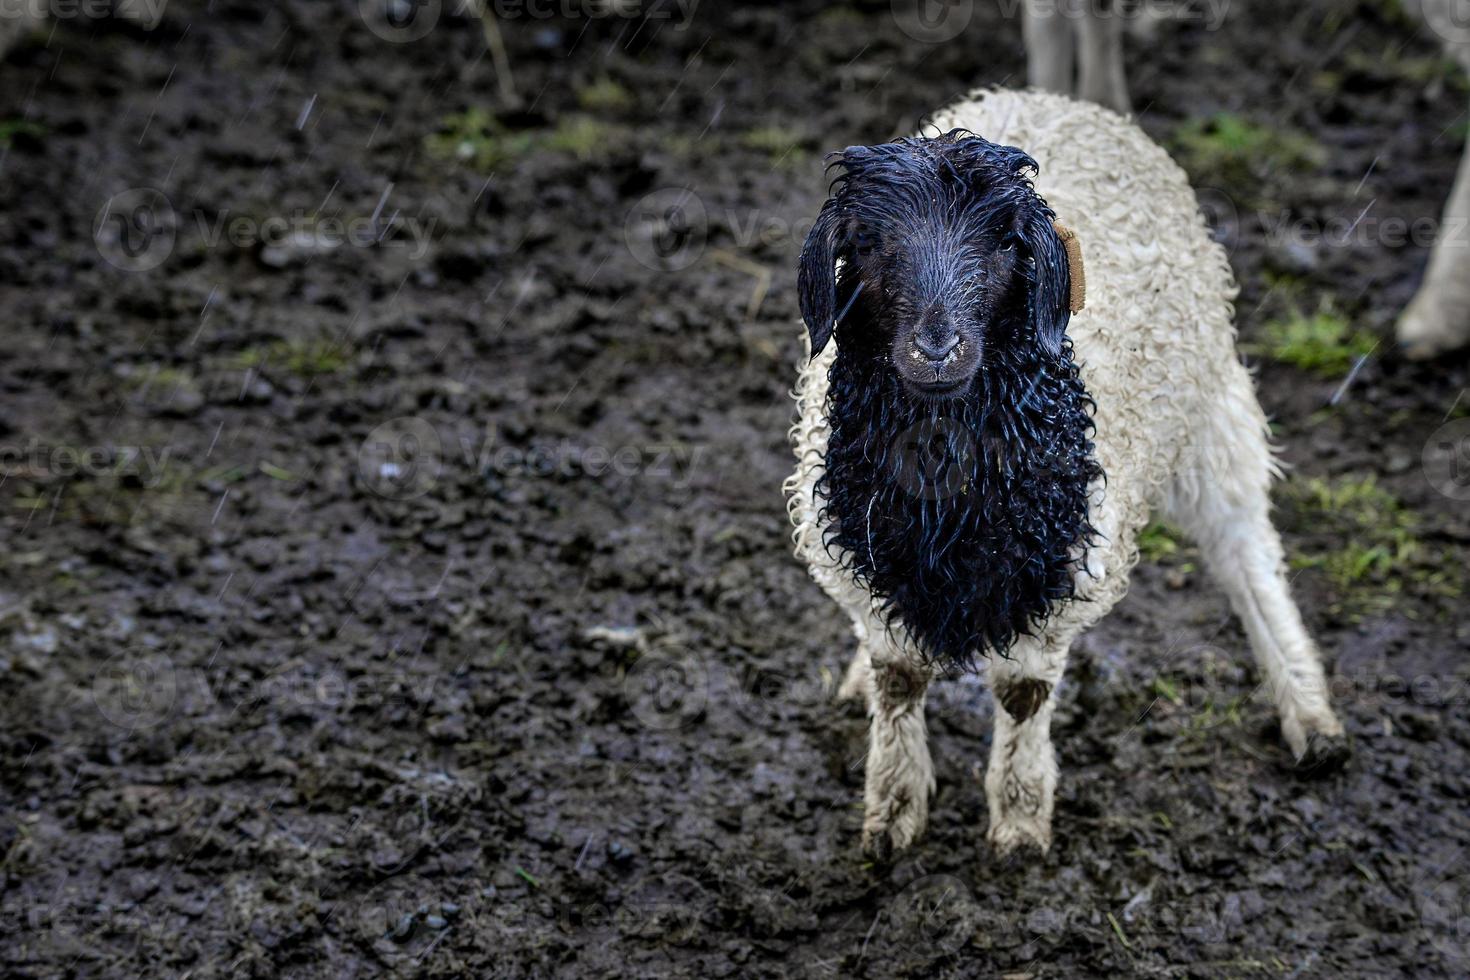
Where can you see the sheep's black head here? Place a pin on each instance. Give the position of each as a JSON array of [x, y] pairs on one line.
[[946, 249]]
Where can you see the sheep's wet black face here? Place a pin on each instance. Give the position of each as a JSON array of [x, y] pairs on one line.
[[958, 460], [940, 251], [935, 280]]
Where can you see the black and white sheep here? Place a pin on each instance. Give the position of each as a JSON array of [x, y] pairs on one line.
[[974, 463]]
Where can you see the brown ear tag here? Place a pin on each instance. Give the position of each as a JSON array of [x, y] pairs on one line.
[[1073, 246]]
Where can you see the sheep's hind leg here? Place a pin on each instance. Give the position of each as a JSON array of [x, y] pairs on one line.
[[1438, 318], [899, 774], [1225, 508], [1022, 777]]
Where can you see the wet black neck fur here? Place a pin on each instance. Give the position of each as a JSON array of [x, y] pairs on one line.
[[966, 517]]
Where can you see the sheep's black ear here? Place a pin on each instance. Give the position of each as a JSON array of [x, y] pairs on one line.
[[1051, 286], [816, 278]]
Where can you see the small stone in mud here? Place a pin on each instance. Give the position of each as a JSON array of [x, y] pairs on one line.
[[403, 931], [619, 851], [450, 909], [436, 922]]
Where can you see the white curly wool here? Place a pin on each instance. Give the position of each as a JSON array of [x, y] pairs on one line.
[[1178, 428]]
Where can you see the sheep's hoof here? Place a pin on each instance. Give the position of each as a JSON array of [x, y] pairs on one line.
[[1324, 755], [1427, 349], [1018, 846], [1423, 335], [879, 845]]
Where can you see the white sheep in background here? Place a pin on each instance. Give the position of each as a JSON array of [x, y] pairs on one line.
[[1438, 318], [1072, 50], [947, 478]]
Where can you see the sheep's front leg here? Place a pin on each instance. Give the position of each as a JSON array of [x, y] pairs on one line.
[[1022, 776], [900, 777]]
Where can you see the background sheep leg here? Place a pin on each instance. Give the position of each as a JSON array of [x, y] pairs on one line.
[[900, 777], [1438, 318], [1022, 776], [1049, 47], [1100, 61]]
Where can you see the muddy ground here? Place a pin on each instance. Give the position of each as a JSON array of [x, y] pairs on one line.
[[441, 619]]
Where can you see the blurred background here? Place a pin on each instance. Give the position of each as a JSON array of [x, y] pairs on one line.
[[395, 575]]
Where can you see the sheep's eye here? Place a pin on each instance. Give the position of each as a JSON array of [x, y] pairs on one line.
[[1009, 245], [864, 241]]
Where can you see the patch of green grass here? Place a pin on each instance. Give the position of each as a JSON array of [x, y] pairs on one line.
[[1378, 556], [1325, 343], [1158, 541], [605, 95], [781, 144], [11, 128], [1234, 151], [477, 138], [306, 357], [581, 136]]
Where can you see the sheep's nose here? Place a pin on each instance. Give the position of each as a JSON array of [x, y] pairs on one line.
[[926, 345]]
